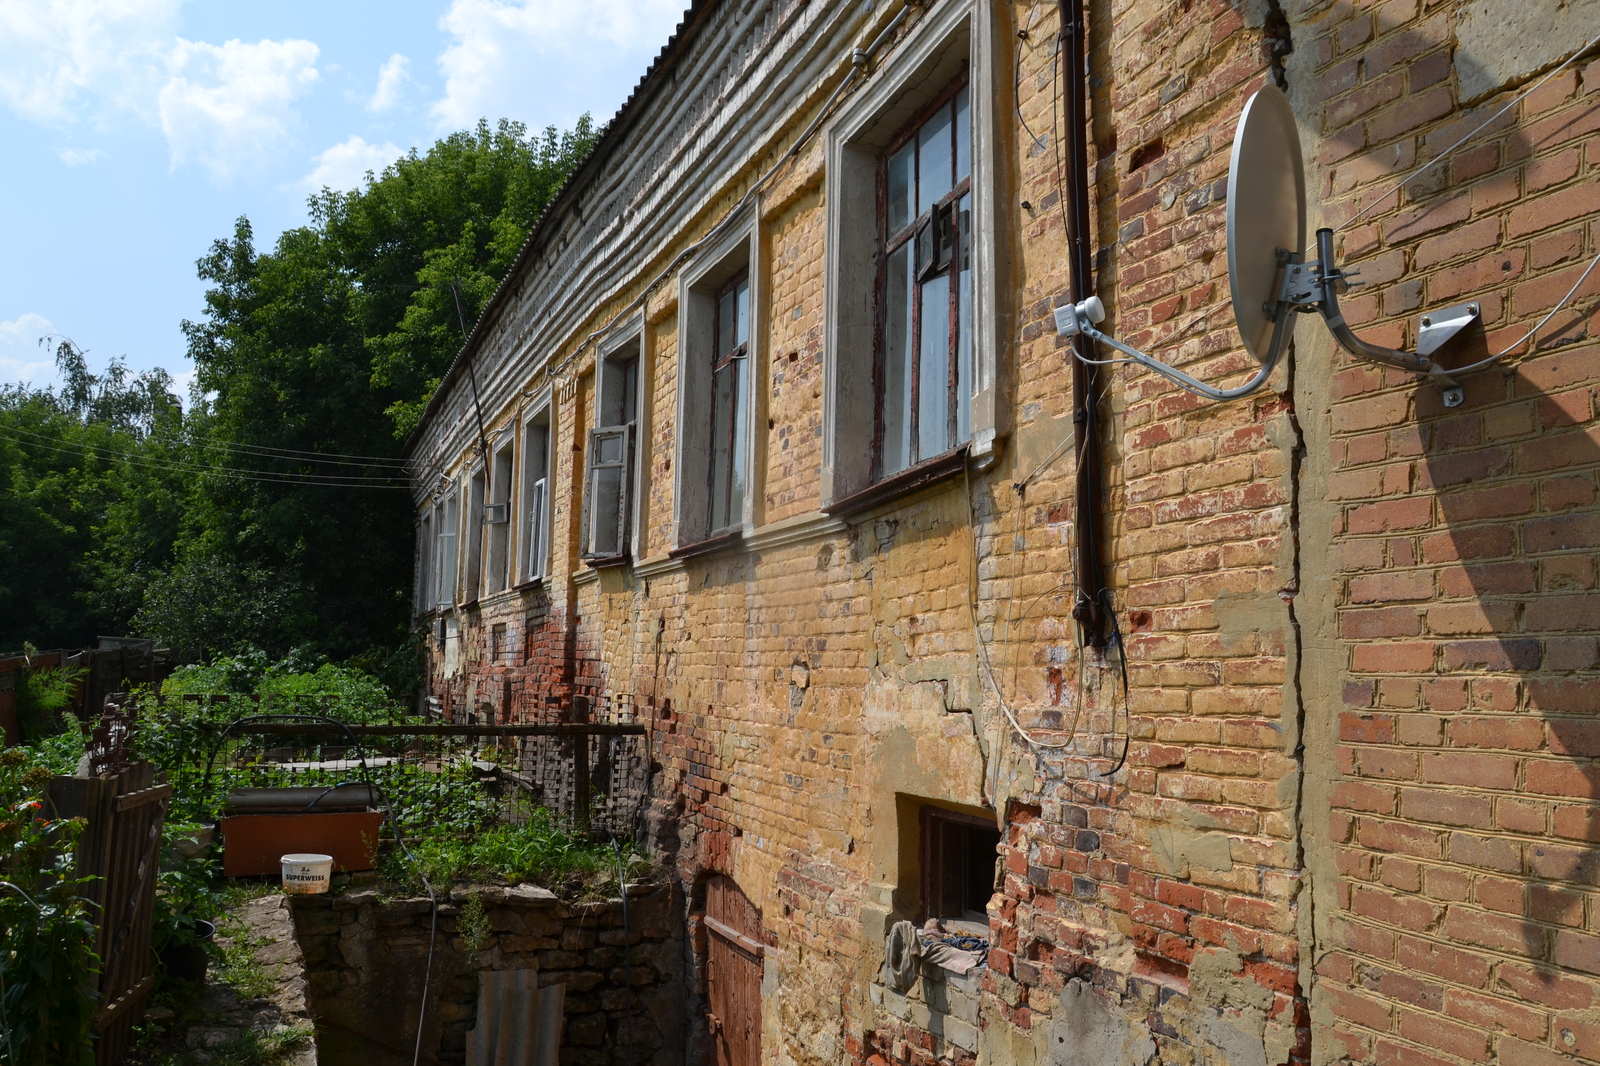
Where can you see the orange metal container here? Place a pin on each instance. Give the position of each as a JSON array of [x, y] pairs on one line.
[[253, 844]]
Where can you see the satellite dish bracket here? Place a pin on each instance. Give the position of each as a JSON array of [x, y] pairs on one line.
[[1317, 286]]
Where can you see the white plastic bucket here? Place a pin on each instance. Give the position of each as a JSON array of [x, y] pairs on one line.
[[306, 875]]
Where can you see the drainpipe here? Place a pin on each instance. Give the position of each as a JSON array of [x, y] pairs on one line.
[[1091, 606]]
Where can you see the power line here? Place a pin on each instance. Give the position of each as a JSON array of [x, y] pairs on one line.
[[331, 458], [231, 473]]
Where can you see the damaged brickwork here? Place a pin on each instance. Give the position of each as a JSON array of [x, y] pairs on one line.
[[1340, 809]]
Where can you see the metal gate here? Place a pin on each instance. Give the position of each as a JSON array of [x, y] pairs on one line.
[[736, 945]]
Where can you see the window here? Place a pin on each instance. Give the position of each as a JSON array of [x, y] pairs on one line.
[[425, 550], [497, 520], [728, 359], [536, 497], [476, 488], [719, 341], [445, 518], [612, 460], [916, 264], [959, 852], [924, 372]]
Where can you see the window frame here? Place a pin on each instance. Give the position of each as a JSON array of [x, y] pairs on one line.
[[952, 38], [888, 245], [501, 477], [737, 399], [737, 249], [476, 490], [534, 533], [447, 546], [928, 850], [620, 409]]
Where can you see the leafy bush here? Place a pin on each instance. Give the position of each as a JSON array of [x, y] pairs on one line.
[[45, 693], [541, 850], [47, 960]]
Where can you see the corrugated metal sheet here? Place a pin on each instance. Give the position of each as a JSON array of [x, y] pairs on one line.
[[519, 1023]]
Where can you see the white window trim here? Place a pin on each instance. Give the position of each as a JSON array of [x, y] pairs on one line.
[[850, 267], [691, 451]]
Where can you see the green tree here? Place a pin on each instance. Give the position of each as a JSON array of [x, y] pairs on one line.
[[93, 457], [331, 343]]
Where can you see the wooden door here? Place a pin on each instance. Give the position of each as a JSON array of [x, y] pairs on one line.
[[735, 949]]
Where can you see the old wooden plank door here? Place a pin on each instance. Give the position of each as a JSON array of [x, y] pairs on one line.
[[736, 945]]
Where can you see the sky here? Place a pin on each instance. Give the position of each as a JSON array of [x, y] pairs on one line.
[[134, 132]]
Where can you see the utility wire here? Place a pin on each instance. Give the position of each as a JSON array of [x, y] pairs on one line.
[[230, 473], [1442, 156], [189, 465], [1520, 341], [333, 458]]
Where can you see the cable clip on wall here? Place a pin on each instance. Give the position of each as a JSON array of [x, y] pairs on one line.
[[1270, 279]]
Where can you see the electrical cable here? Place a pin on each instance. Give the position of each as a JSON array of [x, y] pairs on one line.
[[1491, 360], [1016, 77], [91, 449], [169, 466], [331, 458], [977, 636], [1442, 156]]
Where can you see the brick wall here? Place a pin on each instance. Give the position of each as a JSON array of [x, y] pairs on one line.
[[1341, 808], [1458, 919]]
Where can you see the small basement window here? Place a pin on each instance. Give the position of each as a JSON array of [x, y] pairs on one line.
[[959, 852]]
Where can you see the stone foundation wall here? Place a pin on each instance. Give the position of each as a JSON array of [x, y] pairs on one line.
[[366, 957]]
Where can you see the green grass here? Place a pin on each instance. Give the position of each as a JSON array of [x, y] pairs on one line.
[[237, 963]]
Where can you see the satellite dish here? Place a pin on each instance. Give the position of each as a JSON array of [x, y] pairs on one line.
[[1268, 274], [1266, 212]]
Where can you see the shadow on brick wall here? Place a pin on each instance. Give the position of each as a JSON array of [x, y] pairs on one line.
[[1516, 682]]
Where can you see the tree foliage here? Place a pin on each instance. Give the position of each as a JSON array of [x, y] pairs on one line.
[[228, 527]]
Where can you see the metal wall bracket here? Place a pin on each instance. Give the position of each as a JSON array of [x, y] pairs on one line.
[[1434, 331]]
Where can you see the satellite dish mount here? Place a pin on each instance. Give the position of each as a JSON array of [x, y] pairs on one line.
[[1268, 274]]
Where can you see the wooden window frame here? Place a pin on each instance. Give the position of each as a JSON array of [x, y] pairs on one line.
[[928, 817], [888, 245], [738, 354]]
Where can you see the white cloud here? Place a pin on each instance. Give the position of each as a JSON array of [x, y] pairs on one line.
[[344, 166], [488, 72], [22, 358], [59, 58], [76, 157], [392, 77], [103, 61], [236, 108]]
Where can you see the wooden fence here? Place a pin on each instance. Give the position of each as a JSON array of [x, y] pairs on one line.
[[124, 806]]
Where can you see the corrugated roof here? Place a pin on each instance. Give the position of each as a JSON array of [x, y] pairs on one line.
[[614, 133]]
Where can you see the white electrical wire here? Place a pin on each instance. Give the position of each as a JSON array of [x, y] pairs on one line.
[[1491, 360], [1442, 156]]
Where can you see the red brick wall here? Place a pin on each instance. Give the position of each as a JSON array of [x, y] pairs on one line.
[[1460, 906]]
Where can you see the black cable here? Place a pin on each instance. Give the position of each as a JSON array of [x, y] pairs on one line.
[[1122, 658]]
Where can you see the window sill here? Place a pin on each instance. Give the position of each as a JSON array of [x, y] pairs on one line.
[[528, 585], [709, 545], [601, 562], [906, 481]]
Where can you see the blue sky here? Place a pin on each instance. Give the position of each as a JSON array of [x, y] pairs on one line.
[[136, 131]]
